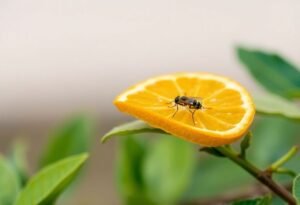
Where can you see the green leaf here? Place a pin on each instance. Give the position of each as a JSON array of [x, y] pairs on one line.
[[130, 128], [296, 188], [259, 201], [275, 105], [9, 183], [208, 171], [72, 138], [130, 156], [277, 201], [208, 180], [18, 161], [168, 169], [44, 187], [272, 71], [272, 133]]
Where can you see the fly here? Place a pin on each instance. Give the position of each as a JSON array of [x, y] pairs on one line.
[[192, 103]]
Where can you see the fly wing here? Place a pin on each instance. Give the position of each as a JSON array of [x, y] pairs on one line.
[[196, 98], [192, 100]]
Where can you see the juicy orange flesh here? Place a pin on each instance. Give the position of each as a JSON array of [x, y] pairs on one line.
[[222, 107]]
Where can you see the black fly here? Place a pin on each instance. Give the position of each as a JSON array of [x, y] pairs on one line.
[[191, 102]]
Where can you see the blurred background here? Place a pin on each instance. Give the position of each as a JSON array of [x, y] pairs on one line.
[[59, 58]]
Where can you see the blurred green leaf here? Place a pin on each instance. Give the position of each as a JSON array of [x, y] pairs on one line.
[[47, 184], [167, 162], [214, 176], [267, 200], [168, 168], [296, 188], [277, 201], [272, 137], [72, 138], [17, 158], [275, 105], [272, 71], [270, 133], [9, 183], [134, 127], [130, 156]]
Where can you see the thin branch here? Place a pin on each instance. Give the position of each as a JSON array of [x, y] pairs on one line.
[[284, 158], [253, 191], [260, 175]]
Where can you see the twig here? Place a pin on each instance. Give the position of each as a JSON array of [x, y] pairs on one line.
[[230, 197], [284, 158], [260, 175]]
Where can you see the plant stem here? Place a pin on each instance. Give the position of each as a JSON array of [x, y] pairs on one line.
[[229, 197], [285, 171], [284, 158], [260, 175]]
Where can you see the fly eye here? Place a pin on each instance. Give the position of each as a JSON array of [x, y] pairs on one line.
[[194, 103]]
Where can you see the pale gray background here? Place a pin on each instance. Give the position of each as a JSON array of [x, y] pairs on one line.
[[58, 57]]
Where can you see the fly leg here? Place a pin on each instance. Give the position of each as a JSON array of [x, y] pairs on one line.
[[172, 106], [193, 112], [175, 111], [168, 103]]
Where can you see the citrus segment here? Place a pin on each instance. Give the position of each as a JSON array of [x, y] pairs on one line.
[[225, 114]]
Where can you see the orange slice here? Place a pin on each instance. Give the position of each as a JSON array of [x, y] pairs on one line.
[[226, 114]]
